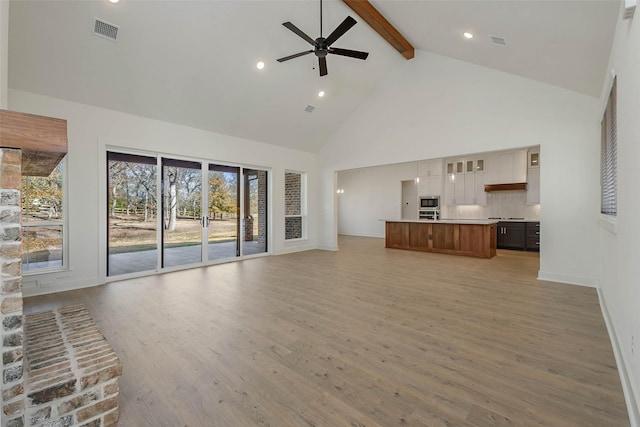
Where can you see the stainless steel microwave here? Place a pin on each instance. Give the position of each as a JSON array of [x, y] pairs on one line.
[[429, 202]]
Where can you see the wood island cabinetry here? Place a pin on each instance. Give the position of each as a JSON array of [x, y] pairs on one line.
[[458, 238]]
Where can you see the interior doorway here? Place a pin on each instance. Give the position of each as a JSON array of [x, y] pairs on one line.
[[409, 199]]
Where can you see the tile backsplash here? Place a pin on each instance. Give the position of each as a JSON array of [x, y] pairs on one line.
[[507, 204]]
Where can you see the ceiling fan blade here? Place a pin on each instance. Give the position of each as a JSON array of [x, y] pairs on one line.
[[323, 66], [299, 32], [295, 55], [340, 30], [350, 53]]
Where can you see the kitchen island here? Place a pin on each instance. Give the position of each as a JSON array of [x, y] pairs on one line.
[[475, 238]]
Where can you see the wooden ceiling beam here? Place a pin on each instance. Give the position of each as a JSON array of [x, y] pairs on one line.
[[379, 23]]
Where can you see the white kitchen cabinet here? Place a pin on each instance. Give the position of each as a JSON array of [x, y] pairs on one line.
[[465, 185], [454, 190], [507, 168], [430, 185], [469, 189], [430, 168], [533, 186], [430, 174]]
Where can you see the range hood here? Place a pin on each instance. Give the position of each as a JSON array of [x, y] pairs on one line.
[[516, 186]]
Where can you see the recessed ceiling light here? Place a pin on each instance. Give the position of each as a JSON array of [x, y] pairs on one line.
[[114, 1], [467, 35], [321, 93], [260, 65]]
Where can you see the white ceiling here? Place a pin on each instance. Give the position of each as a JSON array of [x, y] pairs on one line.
[[193, 62]]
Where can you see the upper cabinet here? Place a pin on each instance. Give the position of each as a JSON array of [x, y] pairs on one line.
[[507, 168], [464, 182], [430, 168], [533, 178], [430, 174]]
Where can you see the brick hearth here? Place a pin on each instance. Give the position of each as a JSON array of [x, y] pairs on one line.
[[71, 371]]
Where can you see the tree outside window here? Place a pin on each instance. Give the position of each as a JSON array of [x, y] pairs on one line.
[[43, 221]]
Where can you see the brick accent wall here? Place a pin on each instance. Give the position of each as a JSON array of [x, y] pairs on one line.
[[292, 205], [72, 373], [11, 291], [292, 193], [57, 368]]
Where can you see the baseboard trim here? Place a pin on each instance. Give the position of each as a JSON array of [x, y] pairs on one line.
[[68, 286], [630, 394], [361, 235], [571, 280], [328, 248], [294, 250]]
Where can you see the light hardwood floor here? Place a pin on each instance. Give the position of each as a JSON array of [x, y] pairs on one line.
[[366, 336]]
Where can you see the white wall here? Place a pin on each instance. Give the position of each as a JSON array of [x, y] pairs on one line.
[[620, 269], [4, 52], [91, 128], [434, 106], [371, 194]]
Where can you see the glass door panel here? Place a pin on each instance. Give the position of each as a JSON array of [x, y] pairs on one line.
[[132, 214], [181, 213], [223, 213], [254, 212]]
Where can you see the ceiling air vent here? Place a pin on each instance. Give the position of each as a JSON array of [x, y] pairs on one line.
[[104, 29], [499, 41], [309, 108]]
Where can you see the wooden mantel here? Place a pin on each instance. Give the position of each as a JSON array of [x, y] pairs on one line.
[[43, 140]]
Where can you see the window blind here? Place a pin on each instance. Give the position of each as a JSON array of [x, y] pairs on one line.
[[609, 157]]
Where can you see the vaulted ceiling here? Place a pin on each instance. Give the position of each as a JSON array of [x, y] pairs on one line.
[[193, 62]]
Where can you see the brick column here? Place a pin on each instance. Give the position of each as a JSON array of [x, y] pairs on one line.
[[11, 290]]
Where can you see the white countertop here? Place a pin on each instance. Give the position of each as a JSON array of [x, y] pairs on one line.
[[447, 221]]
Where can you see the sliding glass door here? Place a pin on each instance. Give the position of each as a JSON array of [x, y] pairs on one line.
[[132, 206], [181, 213], [223, 215], [193, 213]]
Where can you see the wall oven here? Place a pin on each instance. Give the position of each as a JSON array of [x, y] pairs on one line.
[[429, 207]]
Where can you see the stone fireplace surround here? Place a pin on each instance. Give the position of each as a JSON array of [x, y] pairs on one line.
[[57, 368]]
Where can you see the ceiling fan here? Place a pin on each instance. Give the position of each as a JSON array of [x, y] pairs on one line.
[[322, 46]]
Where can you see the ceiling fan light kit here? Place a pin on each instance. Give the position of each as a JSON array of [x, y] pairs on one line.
[[322, 46]]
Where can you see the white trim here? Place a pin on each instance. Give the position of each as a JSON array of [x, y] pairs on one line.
[[67, 285], [295, 250], [609, 223], [361, 234], [631, 395], [571, 280]]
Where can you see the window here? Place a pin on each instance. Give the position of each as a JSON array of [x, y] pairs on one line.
[[294, 212], [43, 221], [609, 157]]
